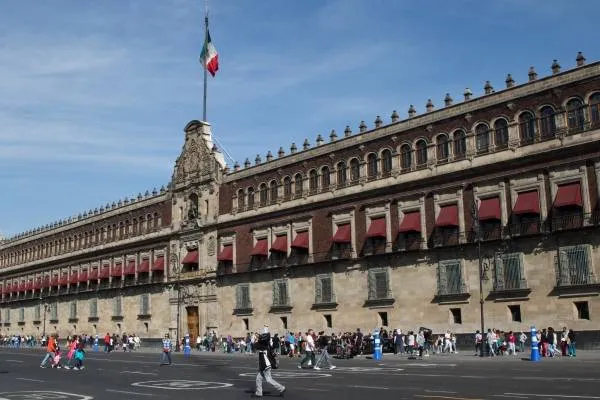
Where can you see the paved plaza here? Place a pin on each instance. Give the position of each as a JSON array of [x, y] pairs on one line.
[[209, 376]]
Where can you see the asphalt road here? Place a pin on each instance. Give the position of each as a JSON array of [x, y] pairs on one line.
[[216, 376]]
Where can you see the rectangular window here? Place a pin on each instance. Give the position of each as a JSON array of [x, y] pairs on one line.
[[145, 304], [37, 313], [583, 310], [515, 313], [280, 293], [508, 272], [324, 289], [117, 306], [574, 266], [242, 295], [456, 315], [93, 308], [73, 310], [328, 320], [7, 315], [54, 311], [22, 314], [450, 279], [383, 318], [284, 322], [379, 288]]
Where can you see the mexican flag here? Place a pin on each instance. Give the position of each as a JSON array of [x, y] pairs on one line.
[[209, 56]]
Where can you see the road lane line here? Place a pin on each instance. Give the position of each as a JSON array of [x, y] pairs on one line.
[[139, 373], [562, 396], [29, 379], [16, 361], [445, 397], [440, 391], [512, 397], [126, 392], [369, 387]]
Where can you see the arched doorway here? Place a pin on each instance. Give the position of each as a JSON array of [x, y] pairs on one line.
[[193, 323]]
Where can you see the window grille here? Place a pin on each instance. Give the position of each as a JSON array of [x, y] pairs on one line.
[[450, 278], [379, 288]]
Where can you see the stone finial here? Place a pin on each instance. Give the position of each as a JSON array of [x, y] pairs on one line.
[[146, 193], [378, 122], [154, 192], [226, 169], [126, 200], [163, 189], [333, 136], [84, 216], [448, 100], [580, 59], [236, 166], [488, 88], [347, 131], [269, 156], [412, 111], [555, 67], [280, 152], [214, 148], [120, 203], [510, 82], [306, 145], [257, 160], [395, 117], [293, 148], [532, 74], [140, 196], [362, 127], [467, 93], [247, 163], [319, 140], [79, 216], [429, 106]]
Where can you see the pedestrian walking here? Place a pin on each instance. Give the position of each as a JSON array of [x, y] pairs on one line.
[[324, 357], [267, 360], [50, 351], [166, 351]]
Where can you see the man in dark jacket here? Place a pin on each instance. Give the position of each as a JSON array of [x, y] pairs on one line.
[[265, 360]]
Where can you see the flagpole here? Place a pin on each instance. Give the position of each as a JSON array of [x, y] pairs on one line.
[[204, 62]]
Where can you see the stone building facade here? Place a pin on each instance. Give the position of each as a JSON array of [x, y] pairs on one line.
[[394, 225]]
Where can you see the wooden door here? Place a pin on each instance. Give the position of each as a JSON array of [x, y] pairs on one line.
[[193, 323]]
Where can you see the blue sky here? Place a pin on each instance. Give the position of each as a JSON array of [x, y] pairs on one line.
[[94, 95]]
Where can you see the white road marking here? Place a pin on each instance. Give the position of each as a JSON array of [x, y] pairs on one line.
[[562, 396], [369, 387], [29, 379], [140, 373], [315, 390], [440, 391], [16, 361], [126, 392], [512, 397]]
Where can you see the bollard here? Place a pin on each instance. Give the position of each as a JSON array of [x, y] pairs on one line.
[[95, 347], [535, 351], [187, 349], [377, 350]]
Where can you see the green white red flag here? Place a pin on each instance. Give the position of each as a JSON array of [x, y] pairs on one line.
[[209, 56]]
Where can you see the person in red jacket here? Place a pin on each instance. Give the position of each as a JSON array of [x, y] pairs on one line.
[[50, 350]]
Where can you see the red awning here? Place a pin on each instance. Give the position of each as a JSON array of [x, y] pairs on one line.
[[105, 271], [411, 222], [116, 270], [29, 285], [54, 281], [377, 228], [94, 274], [159, 264], [343, 234], [144, 265], [46, 281], [191, 257], [130, 268], [83, 276], [300, 241], [568, 195], [37, 284], [22, 287], [448, 216], [260, 248], [74, 277], [226, 254], [280, 244], [64, 280], [527, 203], [489, 209]]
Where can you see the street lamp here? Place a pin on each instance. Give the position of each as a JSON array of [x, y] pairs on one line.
[[477, 229], [44, 326]]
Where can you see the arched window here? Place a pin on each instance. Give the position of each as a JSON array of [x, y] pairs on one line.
[[406, 157], [460, 144], [575, 117], [287, 188], [372, 165], [386, 162], [250, 198], [482, 138], [241, 200], [313, 181], [341, 174], [527, 127], [595, 108], [263, 194], [274, 188], [501, 133], [547, 122], [354, 170], [443, 149], [421, 148], [325, 178], [298, 185], [193, 210]]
